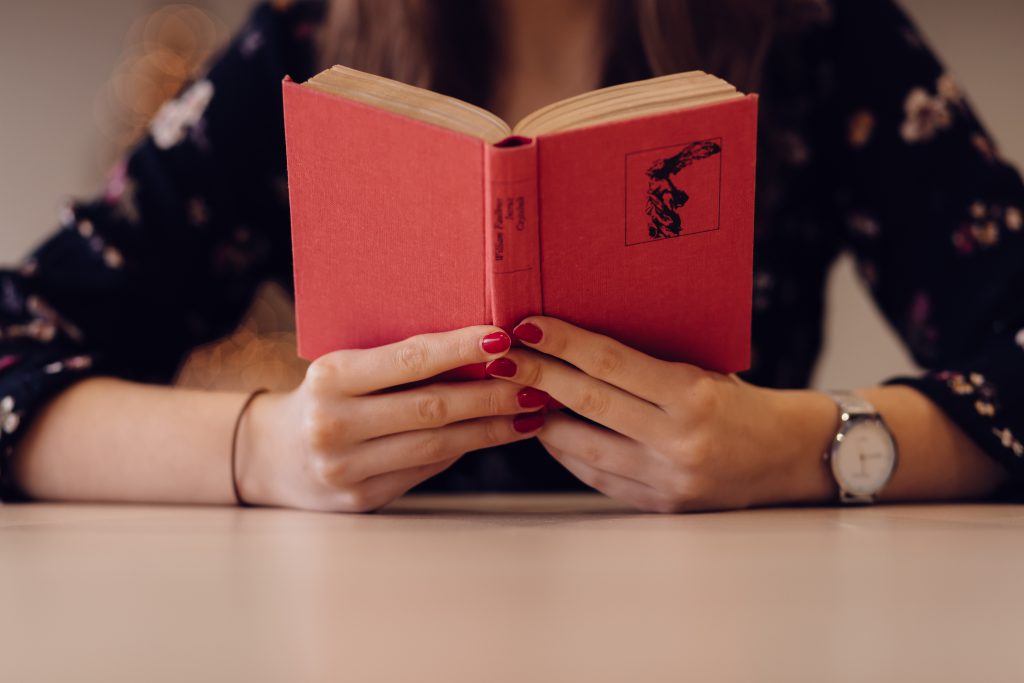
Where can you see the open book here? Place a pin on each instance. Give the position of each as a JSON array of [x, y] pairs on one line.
[[627, 210]]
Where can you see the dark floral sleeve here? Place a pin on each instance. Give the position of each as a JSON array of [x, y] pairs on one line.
[[934, 217], [169, 255]]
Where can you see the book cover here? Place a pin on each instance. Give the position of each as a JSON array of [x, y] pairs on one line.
[[641, 229]]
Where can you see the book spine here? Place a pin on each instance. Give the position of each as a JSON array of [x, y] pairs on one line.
[[513, 231]]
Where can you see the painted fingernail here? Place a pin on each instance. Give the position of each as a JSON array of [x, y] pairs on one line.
[[501, 367], [495, 342], [530, 422], [528, 332], [528, 397]]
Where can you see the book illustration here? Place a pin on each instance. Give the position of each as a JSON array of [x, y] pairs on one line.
[[664, 199], [681, 194]]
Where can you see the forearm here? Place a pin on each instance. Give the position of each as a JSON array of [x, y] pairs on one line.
[[937, 461], [110, 440]]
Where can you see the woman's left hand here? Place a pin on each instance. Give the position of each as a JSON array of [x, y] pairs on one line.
[[669, 436]]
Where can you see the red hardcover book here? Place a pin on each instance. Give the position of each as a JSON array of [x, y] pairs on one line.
[[628, 211]]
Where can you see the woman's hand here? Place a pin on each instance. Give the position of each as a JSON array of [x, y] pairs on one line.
[[670, 436], [338, 443]]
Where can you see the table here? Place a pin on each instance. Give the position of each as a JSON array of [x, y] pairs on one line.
[[511, 588]]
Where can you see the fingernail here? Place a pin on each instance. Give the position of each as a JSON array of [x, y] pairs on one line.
[[528, 397], [496, 342], [528, 332], [501, 367], [530, 422]]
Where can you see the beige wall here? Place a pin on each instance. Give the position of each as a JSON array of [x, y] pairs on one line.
[[56, 56]]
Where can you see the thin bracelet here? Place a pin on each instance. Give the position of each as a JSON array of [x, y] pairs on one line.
[[234, 444]]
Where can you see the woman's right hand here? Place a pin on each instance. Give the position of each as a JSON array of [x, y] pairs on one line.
[[339, 443]]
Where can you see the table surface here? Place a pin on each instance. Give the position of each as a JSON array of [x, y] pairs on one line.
[[511, 588]]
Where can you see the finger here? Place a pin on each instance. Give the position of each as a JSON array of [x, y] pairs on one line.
[[361, 371], [597, 355], [423, 447], [380, 490], [634, 493], [600, 448], [438, 404], [578, 391]]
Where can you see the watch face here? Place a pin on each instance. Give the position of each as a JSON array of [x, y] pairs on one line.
[[865, 458]]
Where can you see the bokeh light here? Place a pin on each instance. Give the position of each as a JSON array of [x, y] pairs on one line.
[[163, 51]]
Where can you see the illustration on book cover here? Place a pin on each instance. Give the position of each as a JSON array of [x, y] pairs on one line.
[[673, 191]]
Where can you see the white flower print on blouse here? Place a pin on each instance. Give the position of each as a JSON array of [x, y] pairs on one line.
[[1008, 440], [983, 227], [1014, 219], [925, 116], [928, 114], [111, 256], [251, 43], [948, 90], [46, 315], [177, 116], [863, 224], [9, 419]]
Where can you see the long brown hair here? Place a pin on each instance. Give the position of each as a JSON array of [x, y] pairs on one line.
[[451, 46]]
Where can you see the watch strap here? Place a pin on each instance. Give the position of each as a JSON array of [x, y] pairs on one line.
[[852, 404]]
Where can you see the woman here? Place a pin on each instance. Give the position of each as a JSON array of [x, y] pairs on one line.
[[866, 145]]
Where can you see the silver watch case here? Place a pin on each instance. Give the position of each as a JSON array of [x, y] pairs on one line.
[[853, 411]]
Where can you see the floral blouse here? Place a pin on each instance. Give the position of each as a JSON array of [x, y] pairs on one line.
[[866, 145]]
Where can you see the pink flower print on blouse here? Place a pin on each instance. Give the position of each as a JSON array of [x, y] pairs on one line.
[[921, 334], [963, 241], [985, 147], [119, 192], [176, 117], [73, 363], [982, 228]]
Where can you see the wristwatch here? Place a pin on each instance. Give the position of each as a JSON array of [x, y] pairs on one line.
[[863, 453]]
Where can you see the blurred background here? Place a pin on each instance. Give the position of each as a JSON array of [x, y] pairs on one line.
[[82, 79]]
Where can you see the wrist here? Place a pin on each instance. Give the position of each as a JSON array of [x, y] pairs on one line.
[[258, 444], [806, 422]]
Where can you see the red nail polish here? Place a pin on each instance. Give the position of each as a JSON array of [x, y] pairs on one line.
[[496, 342], [501, 367], [528, 332], [528, 423], [528, 397]]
